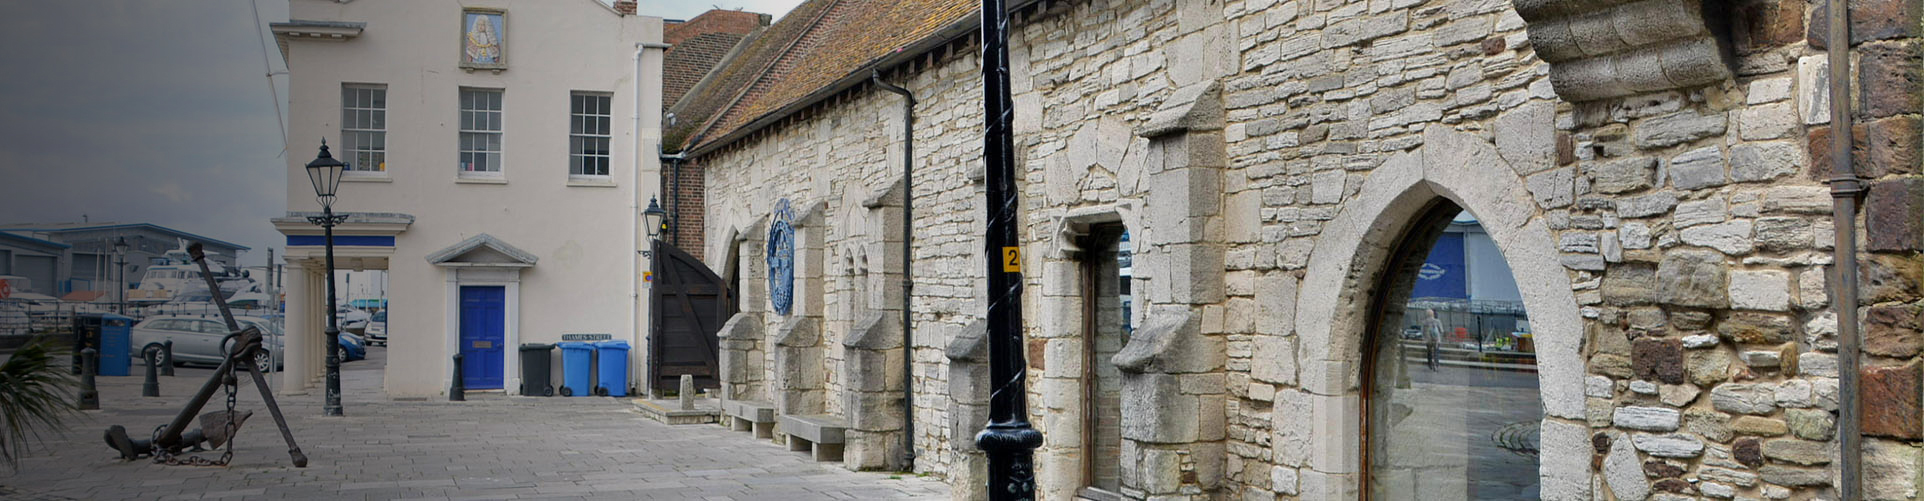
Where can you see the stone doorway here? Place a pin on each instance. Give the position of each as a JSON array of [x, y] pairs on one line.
[[1453, 402], [1105, 319]]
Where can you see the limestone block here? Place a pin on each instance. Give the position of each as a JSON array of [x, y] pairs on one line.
[[1553, 188], [1622, 471], [1751, 162], [1154, 410], [1196, 107], [1276, 304], [1274, 360], [1743, 398], [1678, 128], [1696, 278], [1696, 212], [1526, 137], [1698, 169], [1647, 418], [1668, 446], [1767, 290], [1620, 175], [1171, 342], [1566, 452], [1201, 269], [1290, 428], [1890, 469], [871, 451], [873, 410], [1326, 187], [1647, 205], [1730, 237]]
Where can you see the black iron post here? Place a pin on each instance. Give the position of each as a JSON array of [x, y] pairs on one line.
[[151, 387], [457, 390], [332, 407], [1009, 440], [89, 395], [325, 173], [167, 357]]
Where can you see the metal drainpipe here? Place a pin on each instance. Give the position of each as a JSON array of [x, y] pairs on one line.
[[1845, 187], [908, 278]]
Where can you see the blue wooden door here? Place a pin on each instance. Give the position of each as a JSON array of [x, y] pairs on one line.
[[483, 321]]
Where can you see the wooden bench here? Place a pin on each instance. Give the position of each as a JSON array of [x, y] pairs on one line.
[[749, 415], [821, 435]]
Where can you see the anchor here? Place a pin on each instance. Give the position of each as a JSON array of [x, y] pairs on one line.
[[217, 428]]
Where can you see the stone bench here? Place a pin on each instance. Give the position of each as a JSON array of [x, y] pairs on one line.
[[749, 415], [820, 434]]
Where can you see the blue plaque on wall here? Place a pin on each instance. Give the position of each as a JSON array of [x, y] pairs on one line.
[[781, 258]]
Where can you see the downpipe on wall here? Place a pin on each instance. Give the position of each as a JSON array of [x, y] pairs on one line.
[[1845, 188], [908, 260]]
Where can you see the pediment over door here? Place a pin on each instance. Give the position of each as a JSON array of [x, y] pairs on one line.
[[483, 251]]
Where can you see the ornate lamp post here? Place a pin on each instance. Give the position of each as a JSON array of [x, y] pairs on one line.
[[120, 266], [1009, 440], [325, 173], [655, 219]]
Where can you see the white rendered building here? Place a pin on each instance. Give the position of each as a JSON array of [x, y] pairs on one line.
[[500, 154]]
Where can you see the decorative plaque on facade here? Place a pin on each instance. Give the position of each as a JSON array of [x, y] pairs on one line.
[[781, 258]]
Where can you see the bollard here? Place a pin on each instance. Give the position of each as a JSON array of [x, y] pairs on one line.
[[687, 392], [457, 392], [167, 354], [151, 388], [89, 396]]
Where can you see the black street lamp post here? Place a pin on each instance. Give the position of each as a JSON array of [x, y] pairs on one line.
[[120, 266], [1009, 440], [325, 173]]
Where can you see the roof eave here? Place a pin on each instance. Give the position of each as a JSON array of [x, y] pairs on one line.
[[960, 28]]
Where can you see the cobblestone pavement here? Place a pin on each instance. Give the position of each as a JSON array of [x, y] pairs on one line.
[[490, 447]]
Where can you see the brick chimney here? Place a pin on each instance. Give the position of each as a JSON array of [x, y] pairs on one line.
[[625, 7]]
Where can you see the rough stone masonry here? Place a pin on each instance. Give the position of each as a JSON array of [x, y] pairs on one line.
[[1651, 170]]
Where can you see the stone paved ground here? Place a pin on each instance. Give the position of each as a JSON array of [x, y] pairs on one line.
[[490, 447]]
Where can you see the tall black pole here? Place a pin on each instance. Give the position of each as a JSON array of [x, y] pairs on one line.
[[1009, 440], [333, 406]]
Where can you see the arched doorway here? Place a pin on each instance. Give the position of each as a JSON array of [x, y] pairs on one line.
[[1453, 401]]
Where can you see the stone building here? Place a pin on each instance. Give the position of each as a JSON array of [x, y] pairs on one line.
[[1651, 172]]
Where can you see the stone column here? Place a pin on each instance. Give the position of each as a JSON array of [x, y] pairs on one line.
[[742, 358], [798, 374], [294, 344], [1174, 395], [968, 353], [872, 393]]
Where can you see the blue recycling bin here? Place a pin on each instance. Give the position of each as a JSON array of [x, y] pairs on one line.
[[116, 343], [577, 361], [614, 368]]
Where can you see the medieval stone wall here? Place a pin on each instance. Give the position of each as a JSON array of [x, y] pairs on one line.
[[1672, 245]]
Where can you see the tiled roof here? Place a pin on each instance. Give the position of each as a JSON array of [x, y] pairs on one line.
[[722, 89], [852, 38], [690, 59], [713, 21]]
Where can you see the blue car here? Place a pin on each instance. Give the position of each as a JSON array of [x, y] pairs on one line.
[[352, 347]]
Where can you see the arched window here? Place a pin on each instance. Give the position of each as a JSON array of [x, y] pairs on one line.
[[1453, 405]]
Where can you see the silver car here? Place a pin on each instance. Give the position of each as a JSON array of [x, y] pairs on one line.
[[198, 339]]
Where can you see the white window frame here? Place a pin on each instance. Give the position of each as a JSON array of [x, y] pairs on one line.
[[579, 131], [353, 150], [477, 130]]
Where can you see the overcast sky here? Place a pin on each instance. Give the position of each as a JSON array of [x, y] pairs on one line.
[[160, 112], [140, 111]]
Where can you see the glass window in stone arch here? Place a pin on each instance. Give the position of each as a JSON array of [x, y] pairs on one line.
[[1453, 405], [1105, 268]]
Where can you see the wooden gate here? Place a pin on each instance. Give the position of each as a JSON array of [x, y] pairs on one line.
[[689, 303]]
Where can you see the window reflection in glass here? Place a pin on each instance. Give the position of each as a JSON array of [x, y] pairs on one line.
[[1454, 407]]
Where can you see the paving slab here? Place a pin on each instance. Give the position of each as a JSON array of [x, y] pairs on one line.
[[490, 447]]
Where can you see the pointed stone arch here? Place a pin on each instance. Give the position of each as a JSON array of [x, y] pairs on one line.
[[1345, 268]]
